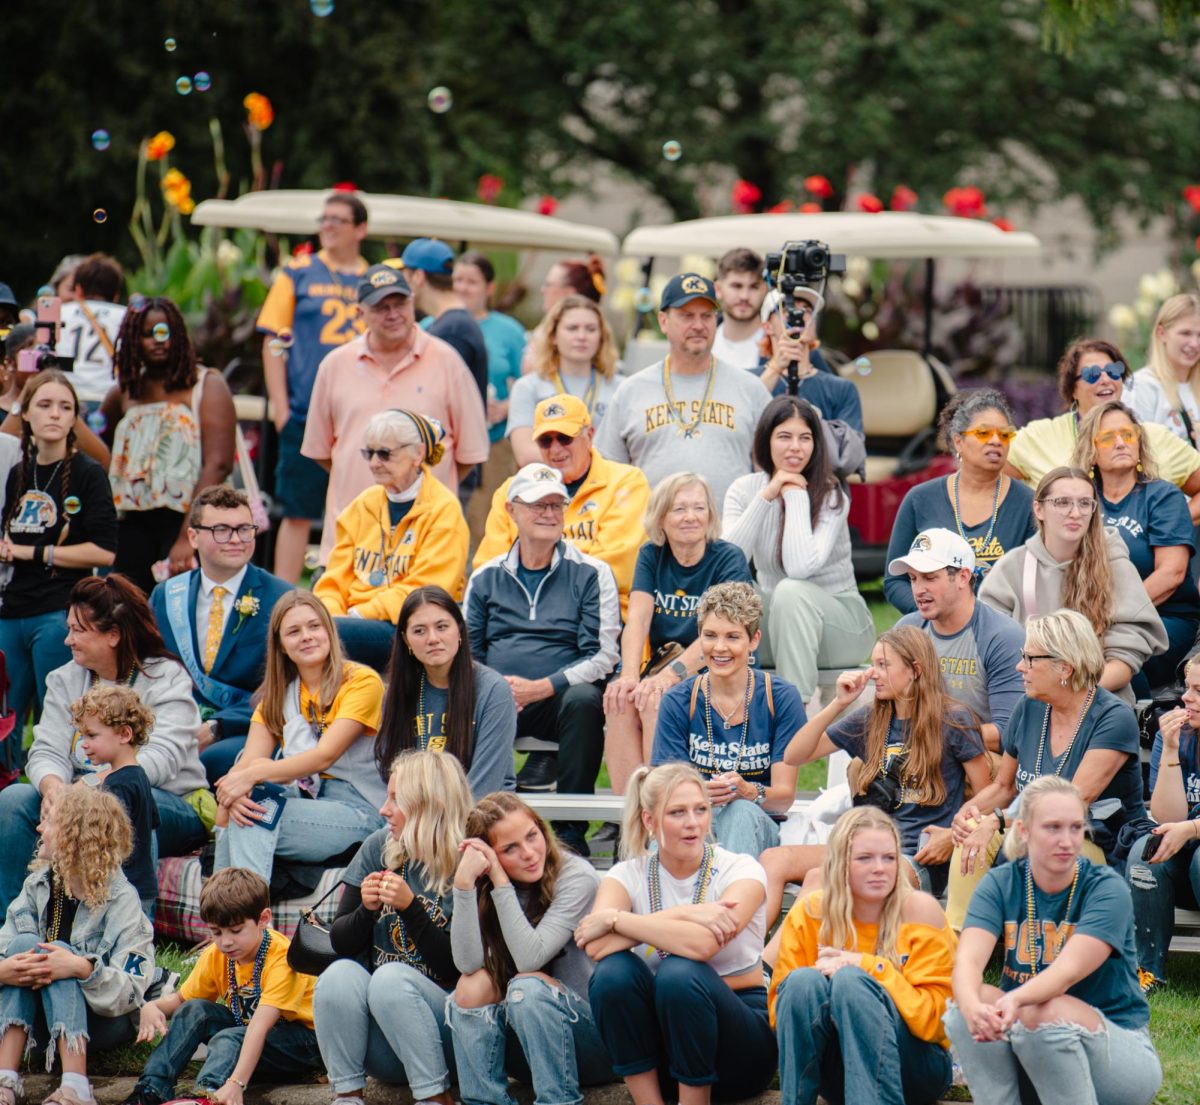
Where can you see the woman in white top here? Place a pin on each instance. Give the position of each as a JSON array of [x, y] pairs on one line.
[[677, 937], [790, 519], [1167, 390]]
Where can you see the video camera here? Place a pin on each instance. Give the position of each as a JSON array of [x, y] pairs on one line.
[[800, 265], [45, 338]]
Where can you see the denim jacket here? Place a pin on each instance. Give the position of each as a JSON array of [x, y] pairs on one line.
[[119, 940]]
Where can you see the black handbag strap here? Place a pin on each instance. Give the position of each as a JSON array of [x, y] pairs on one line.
[[321, 900]]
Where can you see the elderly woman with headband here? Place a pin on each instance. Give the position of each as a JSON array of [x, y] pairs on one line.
[[407, 531], [1167, 390]]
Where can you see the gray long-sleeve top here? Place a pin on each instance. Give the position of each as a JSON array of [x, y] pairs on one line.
[[547, 946]]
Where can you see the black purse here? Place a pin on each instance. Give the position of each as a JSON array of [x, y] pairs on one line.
[[886, 790], [311, 949]]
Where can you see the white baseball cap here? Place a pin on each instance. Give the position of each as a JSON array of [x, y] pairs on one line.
[[535, 482], [774, 298], [933, 549]]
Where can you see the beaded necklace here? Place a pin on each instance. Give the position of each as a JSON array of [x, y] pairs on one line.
[[703, 878], [425, 742], [1032, 921], [58, 894], [736, 763], [987, 541], [242, 1005], [1062, 761], [589, 395], [399, 931], [688, 429]]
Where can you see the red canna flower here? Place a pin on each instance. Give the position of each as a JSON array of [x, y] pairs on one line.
[[345, 186], [967, 202], [1002, 224], [818, 186], [304, 249], [489, 187], [781, 208], [547, 205], [1191, 196], [903, 198], [811, 208], [745, 196], [259, 112], [869, 203]]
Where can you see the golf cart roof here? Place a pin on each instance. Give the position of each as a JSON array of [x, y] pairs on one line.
[[899, 235], [294, 211]]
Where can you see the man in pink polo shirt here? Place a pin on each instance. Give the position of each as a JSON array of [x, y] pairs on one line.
[[394, 364]]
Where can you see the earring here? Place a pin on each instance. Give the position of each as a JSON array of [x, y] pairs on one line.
[[1092, 471], [1063, 681], [1139, 466]]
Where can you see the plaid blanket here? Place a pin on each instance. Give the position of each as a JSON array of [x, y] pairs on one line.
[[177, 914]]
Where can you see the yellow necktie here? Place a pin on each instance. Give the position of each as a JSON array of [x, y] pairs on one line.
[[216, 622]]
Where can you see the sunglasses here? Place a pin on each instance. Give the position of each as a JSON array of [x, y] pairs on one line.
[[1109, 438], [984, 434], [383, 454], [546, 440], [1090, 374]]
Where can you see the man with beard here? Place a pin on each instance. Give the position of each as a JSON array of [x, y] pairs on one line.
[[740, 289]]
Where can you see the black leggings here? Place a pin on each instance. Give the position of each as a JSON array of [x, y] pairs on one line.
[[144, 537]]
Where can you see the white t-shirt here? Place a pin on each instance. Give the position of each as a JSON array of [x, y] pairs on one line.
[[740, 354], [531, 389], [92, 373], [744, 951], [1149, 402]]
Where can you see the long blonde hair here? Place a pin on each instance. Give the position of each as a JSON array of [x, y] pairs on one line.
[[431, 788], [544, 356], [1088, 579], [1034, 792], [1175, 308], [1087, 451], [280, 670], [649, 789], [837, 903], [92, 838]]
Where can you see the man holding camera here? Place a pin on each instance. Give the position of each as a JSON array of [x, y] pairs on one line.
[[689, 412]]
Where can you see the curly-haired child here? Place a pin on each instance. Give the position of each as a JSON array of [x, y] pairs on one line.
[[77, 950], [113, 723]]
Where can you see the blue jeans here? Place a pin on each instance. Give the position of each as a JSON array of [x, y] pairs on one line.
[[390, 1024], [1156, 888], [309, 829], [1058, 1064], [540, 1033], [843, 1038], [59, 1009], [290, 1047], [741, 826], [685, 1018], [180, 831], [33, 647], [367, 640]]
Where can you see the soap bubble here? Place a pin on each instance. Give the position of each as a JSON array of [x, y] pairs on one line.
[[161, 333], [321, 8], [100, 139], [169, 45], [100, 215], [643, 300], [285, 339], [183, 86], [202, 82], [137, 301], [440, 99], [863, 366], [672, 150], [96, 421]]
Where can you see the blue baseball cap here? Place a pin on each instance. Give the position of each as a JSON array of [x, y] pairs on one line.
[[7, 299], [684, 288], [428, 255]]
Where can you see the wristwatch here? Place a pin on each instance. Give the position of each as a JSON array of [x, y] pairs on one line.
[[679, 668]]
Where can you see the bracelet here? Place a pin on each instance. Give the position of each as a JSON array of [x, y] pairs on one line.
[[998, 813], [237, 1082], [760, 793], [1171, 763], [48, 556]]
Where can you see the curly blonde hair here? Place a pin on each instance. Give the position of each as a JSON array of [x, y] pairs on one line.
[[118, 708], [93, 838]]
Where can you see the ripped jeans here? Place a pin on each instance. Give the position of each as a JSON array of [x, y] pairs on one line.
[[1065, 1064], [1156, 889], [540, 1033], [59, 1009]]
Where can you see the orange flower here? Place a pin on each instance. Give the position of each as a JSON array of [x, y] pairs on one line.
[[160, 145], [259, 112], [810, 208], [186, 205], [177, 191], [870, 203]]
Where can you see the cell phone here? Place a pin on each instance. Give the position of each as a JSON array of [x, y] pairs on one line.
[[1151, 849], [272, 797]]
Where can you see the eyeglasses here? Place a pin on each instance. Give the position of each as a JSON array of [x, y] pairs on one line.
[[543, 506], [1027, 658], [223, 534], [546, 440], [1064, 505], [984, 434], [383, 454], [333, 220], [1091, 373], [1109, 438]]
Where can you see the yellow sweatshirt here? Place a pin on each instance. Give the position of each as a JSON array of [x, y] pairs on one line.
[[604, 520], [429, 546], [920, 989]]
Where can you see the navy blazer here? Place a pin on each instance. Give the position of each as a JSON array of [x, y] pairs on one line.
[[243, 652]]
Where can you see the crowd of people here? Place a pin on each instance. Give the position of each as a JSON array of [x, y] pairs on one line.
[[522, 546]]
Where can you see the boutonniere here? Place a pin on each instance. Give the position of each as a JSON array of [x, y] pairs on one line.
[[247, 607]]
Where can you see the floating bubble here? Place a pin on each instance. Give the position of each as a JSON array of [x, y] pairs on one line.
[[644, 300], [99, 215], [863, 366], [137, 301], [161, 333], [169, 45], [100, 139], [45, 289], [183, 86], [96, 421], [202, 82], [672, 150], [440, 99], [276, 347], [312, 559], [321, 8], [285, 339]]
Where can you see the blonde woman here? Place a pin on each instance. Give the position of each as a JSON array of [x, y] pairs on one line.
[[863, 978], [387, 1019], [572, 352], [1166, 391], [1068, 1017], [677, 937], [682, 559]]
